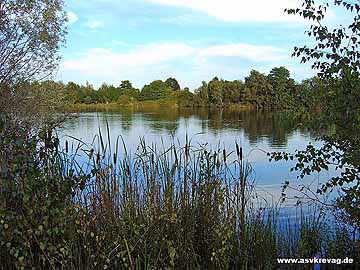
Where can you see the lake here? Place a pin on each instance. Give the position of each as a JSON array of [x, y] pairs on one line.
[[257, 132]]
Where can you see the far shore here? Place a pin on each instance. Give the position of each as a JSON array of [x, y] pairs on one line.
[[148, 105]]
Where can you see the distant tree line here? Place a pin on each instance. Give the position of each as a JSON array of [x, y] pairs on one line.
[[275, 90]]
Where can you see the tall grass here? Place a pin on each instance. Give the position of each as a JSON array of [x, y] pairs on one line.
[[99, 206]]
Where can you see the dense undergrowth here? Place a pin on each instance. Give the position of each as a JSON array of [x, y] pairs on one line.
[[180, 207]]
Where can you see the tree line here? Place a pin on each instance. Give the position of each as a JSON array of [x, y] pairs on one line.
[[274, 90]]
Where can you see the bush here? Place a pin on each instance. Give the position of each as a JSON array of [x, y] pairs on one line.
[[126, 100]]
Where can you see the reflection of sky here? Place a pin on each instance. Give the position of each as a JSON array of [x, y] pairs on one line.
[[224, 131]]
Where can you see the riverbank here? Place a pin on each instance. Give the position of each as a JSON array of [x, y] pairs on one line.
[[148, 105]]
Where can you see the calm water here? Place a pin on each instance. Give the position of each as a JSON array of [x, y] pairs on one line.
[[257, 132]]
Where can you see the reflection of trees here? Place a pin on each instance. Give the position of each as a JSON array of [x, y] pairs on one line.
[[165, 119], [126, 120], [170, 127], [123, 118], [216, 122], [275, 127], [257, 125]]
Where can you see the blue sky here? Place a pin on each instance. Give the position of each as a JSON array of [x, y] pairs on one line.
[[191, 40]]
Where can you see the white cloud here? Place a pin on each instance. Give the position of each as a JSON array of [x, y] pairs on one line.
[[72, 17], [99, 61], [96, 24], [250, 52], [238, 10], [160, 60]]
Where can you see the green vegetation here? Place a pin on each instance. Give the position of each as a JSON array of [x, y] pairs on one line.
[[155, 90], [335, 56], [277, 90], [105, 94], [173, 84], [31, 33], [176, 208], [94, 207]]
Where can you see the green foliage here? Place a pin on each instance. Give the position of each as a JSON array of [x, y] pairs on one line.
[[202, 95], [184, 98], [31, 34], [125, 85], [310, 92], [36, 199], [283, 86], [336, 92], [220, 92], [109, 92], [126, 100], [335, 56], [105, 94], [215, 92], [233, 92], [173, 84], [276, 90], [258, 90], [155, 90], [127, 89]]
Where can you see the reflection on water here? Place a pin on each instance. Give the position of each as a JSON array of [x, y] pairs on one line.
[[275, 128], [257, 132]]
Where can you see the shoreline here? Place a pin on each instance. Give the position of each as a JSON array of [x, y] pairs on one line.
[[150, 105]]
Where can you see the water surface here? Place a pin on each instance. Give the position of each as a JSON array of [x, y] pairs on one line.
[[257, 132]]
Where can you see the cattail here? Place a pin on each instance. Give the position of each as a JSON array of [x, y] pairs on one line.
[[98, 158], [91, 153], [186, 150]]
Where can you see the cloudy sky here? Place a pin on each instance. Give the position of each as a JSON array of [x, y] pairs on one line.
[[192, 40]]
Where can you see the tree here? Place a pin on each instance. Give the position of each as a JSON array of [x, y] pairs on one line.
[[283, 87], [184, 98], [155, 90], [173, 84], [31, 33], [109, 93], [258, 90], [125, 85], [202, 94], [336, 57], [310, 94], [215, 87], [72, 92], [87, 94], [128, 90], [233, 91]]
